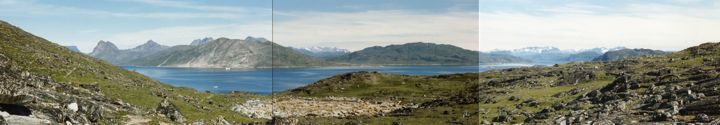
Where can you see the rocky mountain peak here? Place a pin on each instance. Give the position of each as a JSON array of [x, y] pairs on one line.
[[203, 41], [150, 45], [104, 46], [254, 39]]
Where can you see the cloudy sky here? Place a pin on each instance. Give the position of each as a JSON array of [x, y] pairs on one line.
[[576, 24], [349, 24], [356, 24], [129, 23]]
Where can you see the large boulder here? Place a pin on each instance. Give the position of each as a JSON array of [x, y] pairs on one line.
[[170, 111]]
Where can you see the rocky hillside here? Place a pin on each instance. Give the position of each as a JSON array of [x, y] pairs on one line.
[[420, 54], [107, 51], [43, 82], [680, 87], [224, 52], [628, 53]]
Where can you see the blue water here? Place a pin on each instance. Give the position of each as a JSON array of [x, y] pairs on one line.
[[264, 81]]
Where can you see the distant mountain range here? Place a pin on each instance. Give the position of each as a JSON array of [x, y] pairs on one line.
[[421, 54], [208, 53], [554, 54], [628, 53], [107, 51], [73, 48], [256, 52], [322, 52]]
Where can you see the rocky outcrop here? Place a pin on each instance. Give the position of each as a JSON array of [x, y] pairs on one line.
[[8, 119], [167, 109], [29, 98]]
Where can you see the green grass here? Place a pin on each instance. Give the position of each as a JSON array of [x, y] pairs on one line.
[[541, 94], [428, 116], [408, 89], [414, 89]]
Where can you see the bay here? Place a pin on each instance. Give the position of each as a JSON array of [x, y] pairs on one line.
[[266, 80]]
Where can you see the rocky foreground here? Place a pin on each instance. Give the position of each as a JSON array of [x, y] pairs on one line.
[[337, 107], [678, 88], [50, 102]]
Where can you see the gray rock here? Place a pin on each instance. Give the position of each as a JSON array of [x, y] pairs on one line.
[[702, 118], [561, 121], [169, 110], [503, 118], [221, 121]]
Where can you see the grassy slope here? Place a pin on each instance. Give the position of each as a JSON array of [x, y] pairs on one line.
[[542, 92], [40, 56], [408, 89]]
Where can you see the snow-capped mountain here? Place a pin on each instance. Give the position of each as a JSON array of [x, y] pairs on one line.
[[602, 49], [536, 50], [322, 52], [548, 54]]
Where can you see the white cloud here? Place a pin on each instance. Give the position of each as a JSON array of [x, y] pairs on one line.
[[666, 27], [41, 9], [357, 30], [196, 6]]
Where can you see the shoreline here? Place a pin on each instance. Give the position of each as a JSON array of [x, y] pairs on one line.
[[289, 67], [270, 92]]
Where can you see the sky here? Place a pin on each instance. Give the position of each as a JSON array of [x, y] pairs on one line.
[[129, 23], [357, 24], [669, 25], [347, 24]]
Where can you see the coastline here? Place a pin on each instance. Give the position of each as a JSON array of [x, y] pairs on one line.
[[289, 67], [257, 80]]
